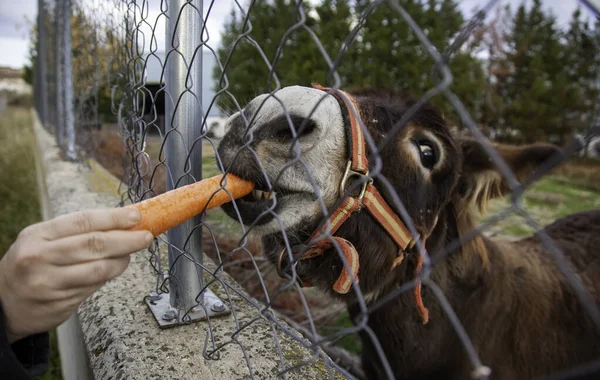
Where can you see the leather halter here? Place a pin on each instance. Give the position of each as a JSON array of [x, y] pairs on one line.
[[368, 198]]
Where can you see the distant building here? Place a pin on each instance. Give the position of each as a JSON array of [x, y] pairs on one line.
[[155, 97]]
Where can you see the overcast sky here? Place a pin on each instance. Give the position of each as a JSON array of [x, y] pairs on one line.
[[14, 29]]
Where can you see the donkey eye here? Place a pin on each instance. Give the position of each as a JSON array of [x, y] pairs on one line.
[[427, 152]]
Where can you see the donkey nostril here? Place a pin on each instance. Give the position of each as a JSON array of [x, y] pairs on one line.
[[302, 127], [306, 128]]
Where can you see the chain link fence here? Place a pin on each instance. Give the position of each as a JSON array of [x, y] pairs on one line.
[[125, 82]]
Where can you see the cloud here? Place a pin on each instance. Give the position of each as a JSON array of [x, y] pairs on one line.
[[13, 18], [17, 51], [14, 31]]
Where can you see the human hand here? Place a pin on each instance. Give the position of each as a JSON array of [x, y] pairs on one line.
[[55, 265]]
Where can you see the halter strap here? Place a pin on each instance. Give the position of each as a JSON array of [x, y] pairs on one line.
[[368, 197], [356, 147]]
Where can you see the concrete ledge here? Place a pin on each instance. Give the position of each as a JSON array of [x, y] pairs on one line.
[[120, 337]]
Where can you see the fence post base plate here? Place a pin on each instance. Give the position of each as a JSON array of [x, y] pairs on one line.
[[167, 316]]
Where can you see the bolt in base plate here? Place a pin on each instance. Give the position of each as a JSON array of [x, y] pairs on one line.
[[163, 305]]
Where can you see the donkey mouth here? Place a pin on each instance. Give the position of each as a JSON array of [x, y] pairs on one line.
[[260, 206]]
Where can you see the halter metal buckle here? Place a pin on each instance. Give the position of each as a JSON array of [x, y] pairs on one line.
[[280, 269], [349, 173]]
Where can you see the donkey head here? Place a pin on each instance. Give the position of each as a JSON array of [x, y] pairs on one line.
[[292, 145]]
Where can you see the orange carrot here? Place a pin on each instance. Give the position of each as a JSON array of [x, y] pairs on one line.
[[169, 209]]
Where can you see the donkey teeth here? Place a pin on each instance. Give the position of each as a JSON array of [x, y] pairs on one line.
[[260, 195]]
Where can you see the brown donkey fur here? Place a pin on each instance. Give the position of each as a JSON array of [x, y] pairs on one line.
[[519, 310]]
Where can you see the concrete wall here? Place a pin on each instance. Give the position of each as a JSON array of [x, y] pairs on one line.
[[114, 335]]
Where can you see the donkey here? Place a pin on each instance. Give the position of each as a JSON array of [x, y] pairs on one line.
[[519, 310]]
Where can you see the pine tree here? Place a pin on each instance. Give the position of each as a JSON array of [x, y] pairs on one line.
[[389, 55], [385, 53], [334, 26], [592, 95], [246, 64], [582, 51], [298, 61], [538, 84], [492, 38]]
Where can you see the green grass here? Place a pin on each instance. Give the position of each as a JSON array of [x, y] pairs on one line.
[[209, 166], [18, 190], [18, 187], [579, 171], [518, 230], [546, 201], [350, 342], [574, 198]]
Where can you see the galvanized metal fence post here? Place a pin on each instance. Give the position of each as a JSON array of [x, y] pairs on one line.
[[59, 82], [183, 127], [68, 82], [36, 82], [65, 120], [41, 89]]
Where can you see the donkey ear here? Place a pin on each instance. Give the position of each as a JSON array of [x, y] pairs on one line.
[[481, 180]]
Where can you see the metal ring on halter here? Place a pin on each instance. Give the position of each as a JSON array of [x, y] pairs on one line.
[[280, 271], [349, 173]]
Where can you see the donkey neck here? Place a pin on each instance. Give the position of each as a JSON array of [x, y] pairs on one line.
[[430, 351]]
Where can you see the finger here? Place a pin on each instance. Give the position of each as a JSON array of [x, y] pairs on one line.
[[82, 222], [92, 273], [70, 295], [96, 246]]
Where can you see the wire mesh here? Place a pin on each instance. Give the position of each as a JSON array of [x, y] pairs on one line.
[[151, 86]]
